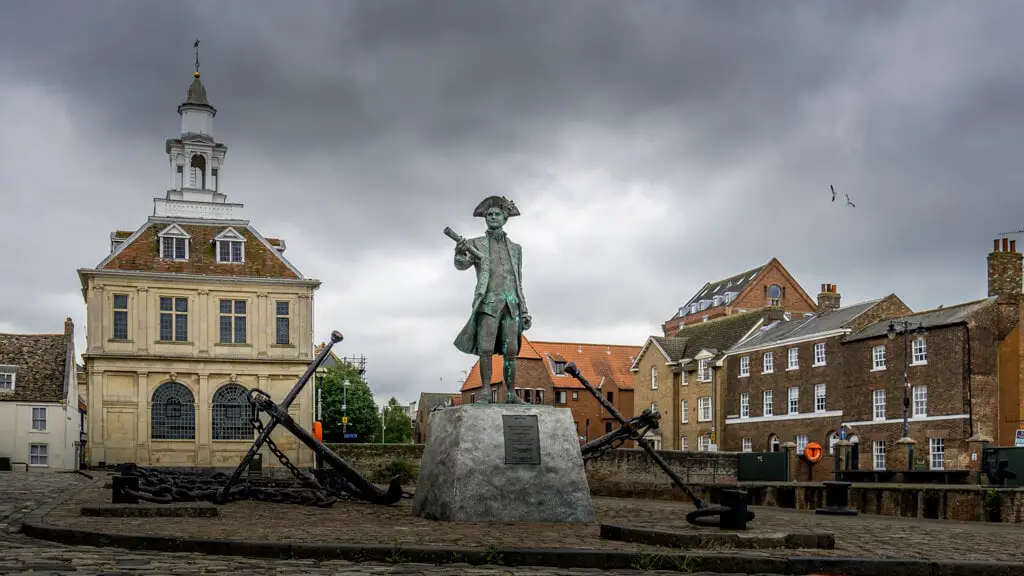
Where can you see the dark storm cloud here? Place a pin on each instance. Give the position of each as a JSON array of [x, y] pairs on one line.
[[348, 119]]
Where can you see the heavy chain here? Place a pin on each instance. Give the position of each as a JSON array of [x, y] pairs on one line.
[[303, 477]]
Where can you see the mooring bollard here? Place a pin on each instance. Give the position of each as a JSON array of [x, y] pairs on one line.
[[734, 517], [837, 500], [119, 485]]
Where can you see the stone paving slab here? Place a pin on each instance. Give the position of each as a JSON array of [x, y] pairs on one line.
[[173, 510], [869, 536]]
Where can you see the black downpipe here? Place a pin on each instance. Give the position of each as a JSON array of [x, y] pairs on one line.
[[970, 395]]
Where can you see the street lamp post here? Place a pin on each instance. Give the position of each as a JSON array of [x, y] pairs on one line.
[[344, 409], [383, 413], [903, 325]]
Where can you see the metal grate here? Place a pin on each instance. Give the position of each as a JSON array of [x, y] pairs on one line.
[[231, 413], [173, 412]]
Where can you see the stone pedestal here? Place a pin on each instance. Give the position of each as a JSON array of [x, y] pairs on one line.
[[502, 463], [976, 446], [903, 459]]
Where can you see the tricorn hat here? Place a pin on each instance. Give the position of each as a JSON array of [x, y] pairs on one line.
[[500, 201]]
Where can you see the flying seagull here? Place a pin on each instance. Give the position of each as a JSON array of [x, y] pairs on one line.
[[848, 203], [833, 192]]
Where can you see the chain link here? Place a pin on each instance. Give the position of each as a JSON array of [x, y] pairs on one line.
[[303, 477]]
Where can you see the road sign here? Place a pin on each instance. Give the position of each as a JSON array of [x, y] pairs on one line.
[[350, 435], [344, 419]]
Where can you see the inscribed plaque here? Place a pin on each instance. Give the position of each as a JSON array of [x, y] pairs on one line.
[[522, 438]]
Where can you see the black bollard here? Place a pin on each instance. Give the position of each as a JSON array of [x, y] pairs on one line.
[[837, 500], [121, 483], [734, 517]]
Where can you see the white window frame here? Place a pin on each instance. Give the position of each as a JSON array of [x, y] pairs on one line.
[[560, 397], [744, 405], [819, 354], [41, 459], [38, 423], [878, 455], [767, 363], [801, 443], [704, 370], [704, 443], [176, 234], [654, 377], [832, 439], [744, 366], [793, 400], [682, 377], [8, 381], [919, 351], [747, 445], [683, 444], [878, 357], [878, 405], [684, 411], [773, 443], [767, 403], [919, 404], [819, 398], [704, 403], [224, 241], [793, 359], [936, 454]]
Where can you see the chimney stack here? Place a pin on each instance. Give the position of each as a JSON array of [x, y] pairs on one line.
[[69, 327], [828, 298], [1005, 271]]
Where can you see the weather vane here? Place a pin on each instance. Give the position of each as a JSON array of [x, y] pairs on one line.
[[196, 46]]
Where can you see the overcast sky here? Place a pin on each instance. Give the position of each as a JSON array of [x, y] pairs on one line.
[[651, 146]]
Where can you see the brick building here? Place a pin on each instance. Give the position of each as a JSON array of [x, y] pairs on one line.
[[963, 377], [785, 382], [767, 285], [541, 379], [681, 376]]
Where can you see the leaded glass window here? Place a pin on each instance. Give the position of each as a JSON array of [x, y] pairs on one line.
[[231, 413], [173, 412]]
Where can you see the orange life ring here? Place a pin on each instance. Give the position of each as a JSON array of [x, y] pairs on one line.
[[812, 452], [318, 431]]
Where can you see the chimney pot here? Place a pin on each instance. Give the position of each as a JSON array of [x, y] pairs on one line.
[[1013, 245], [69, 327], [995, 245], [1006, 245], [823, 287]]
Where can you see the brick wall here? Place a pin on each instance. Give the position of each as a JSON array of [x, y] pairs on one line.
[[530, 373], [792, 299], [804, 379], [666, 396]]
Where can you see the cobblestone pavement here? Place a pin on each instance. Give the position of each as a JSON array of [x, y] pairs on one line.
[[866, 535], [20, 493]]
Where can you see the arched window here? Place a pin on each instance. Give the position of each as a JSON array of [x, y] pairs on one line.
[[832, 439], [231, 413], [774, 294], [197, 177], [173, 412], [773, 443]]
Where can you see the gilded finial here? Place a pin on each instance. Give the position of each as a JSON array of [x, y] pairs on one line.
[[196, 46]]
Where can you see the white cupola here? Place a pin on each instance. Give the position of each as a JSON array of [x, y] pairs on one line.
[[196, 162]]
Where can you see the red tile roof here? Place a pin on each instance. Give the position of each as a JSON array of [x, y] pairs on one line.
[[595, 362], [143, 254], [472, 381]]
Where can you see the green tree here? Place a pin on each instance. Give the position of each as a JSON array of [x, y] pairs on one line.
[[363, 414], [397, 425]]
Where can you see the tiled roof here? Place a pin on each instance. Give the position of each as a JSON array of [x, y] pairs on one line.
[[123, 234], [143, 254], [430, 399], [672, 345], [736, 283], [716, 335], [40, 361], [472, 381], [596, 362], [935, 318], [805, 327]]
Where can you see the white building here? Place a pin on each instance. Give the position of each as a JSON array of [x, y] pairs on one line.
[[40, 423]]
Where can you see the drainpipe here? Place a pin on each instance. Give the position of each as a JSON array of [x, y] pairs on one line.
[[970, 395]]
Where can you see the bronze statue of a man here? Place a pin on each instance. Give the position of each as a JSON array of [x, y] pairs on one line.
[[499, 314]]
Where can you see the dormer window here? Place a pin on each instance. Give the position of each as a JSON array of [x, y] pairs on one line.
[[7, 377], [173, 243], [559, 368], [717, 301], [230, 246], [693, 308]]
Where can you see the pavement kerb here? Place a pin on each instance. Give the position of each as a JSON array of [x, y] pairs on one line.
[[34, 525]]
